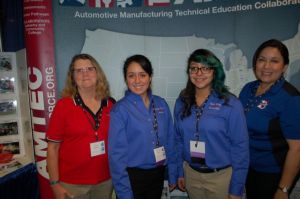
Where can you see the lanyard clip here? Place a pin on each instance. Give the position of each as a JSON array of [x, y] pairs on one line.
[[96, 134]]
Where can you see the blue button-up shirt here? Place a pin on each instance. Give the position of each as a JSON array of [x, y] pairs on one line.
[[223, 129], [132, 139]]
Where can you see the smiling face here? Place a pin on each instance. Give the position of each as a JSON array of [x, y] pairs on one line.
[[85, 74], [269, 66], [201, 77], [137, 79]]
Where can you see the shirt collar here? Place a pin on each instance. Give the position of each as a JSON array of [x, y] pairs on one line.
[[79, 102], [134, 97], [274, 88]]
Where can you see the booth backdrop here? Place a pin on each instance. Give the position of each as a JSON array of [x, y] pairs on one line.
[[166, 31]]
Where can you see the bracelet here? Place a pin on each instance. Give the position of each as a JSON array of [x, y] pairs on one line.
[[284, 189], [54, 182]]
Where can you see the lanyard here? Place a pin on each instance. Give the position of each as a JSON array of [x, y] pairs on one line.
[[253, 100], [97, 119], [199, 112], [155, 124]]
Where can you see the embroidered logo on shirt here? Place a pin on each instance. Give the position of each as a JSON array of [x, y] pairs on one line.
[[263, 104], [159, 110], [214, 106]]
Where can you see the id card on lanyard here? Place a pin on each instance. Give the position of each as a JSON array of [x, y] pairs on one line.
[[160, 154], [197, 147], [97, 148], [197, 150], [159, 151]]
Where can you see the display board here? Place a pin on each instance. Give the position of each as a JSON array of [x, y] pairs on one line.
[[16, 147]]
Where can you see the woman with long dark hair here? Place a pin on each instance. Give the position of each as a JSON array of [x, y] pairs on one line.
[[211, 133], [141, 136]]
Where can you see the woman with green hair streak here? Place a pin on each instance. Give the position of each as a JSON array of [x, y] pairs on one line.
[[211, 133]]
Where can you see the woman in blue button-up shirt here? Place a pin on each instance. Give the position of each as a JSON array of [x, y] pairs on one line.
[[211, 133], [141, 136]]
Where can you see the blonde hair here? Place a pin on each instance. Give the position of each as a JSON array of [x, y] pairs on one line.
[[102, 86]]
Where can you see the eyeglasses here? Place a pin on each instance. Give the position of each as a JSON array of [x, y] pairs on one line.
[[204, 69], [90, 69]]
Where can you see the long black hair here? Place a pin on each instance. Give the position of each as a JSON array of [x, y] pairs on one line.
[[218, 85], [142, 60]]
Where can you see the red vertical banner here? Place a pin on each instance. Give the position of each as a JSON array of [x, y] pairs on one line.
[[39, 40]]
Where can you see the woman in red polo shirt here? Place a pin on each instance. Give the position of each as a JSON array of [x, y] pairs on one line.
[[77, 135]]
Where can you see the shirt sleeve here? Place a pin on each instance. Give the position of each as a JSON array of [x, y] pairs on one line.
[[171, 150], [290, 118], [178, 140], [239, 150], [56, 124], [117, 154]]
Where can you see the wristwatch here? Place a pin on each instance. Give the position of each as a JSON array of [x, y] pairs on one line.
[[54, 182], [284, 189]]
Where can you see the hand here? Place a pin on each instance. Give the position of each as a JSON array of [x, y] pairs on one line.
[[281, 195], [60, 192], [172, 187], [234, 197], [181, 184]]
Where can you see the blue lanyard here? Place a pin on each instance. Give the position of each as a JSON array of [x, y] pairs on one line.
[[253, 100], [155, 123], [199, 112]]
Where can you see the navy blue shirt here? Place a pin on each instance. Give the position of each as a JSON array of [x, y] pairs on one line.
[[271, 118], [223, 129], [132, 139]]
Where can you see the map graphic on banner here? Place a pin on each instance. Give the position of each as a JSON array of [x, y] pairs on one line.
[[168, 31], [169, 55]]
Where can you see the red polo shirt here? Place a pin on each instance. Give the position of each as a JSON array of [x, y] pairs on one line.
[[73, 125]]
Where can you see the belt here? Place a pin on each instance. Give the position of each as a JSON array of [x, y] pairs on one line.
[[209, 170], [162, 167]]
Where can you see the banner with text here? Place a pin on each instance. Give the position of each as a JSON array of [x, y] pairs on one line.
[[39, 41], [167, 31]]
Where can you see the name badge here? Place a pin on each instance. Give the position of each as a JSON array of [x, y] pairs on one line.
[[97, 148], [160, 154], [197, 151]]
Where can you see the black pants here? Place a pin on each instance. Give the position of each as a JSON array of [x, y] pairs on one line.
[[261, 185], [146, 183]]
